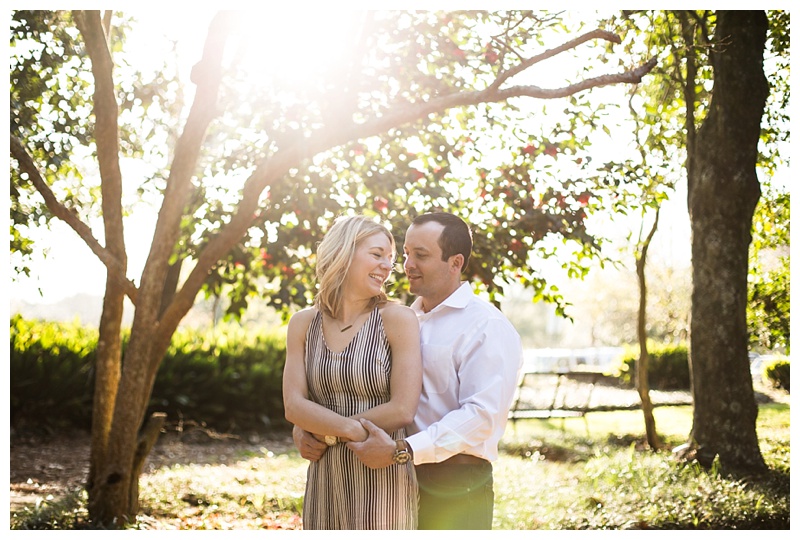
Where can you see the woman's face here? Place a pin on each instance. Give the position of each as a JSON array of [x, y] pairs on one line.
[[371, 266]]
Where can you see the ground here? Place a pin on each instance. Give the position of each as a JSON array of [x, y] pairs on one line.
[[43, 466]]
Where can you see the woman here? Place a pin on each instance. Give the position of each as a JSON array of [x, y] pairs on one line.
[[354, 355]]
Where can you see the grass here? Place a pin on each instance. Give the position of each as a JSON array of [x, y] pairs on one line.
[[551, 475], [555, 476]]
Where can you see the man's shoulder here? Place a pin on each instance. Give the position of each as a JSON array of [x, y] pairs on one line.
[[481, 304], [481, 310]]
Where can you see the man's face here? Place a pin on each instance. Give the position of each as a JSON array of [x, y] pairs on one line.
[[428, 275]]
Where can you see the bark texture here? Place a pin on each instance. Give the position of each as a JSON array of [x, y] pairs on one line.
[[723, 192]]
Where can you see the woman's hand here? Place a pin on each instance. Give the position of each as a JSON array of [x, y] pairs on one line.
[[356, 432]]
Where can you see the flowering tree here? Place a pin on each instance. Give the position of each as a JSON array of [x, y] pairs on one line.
[[394, 123]]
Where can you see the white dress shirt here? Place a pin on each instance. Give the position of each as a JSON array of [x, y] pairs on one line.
[[471, 360]]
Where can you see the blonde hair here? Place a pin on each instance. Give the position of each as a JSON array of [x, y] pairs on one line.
[[334, 256]]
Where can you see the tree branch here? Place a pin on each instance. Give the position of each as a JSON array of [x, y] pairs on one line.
[[633, 76], [106, 127], [274, 167], [68, 216], [571, 44], [206, 74], [107, 23]]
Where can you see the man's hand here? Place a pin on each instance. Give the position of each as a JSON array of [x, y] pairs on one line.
[[308, 445], [378, 450]]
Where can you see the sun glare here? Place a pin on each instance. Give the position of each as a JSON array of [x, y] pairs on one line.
[[292, 47]]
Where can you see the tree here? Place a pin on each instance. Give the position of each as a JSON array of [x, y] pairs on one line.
[[723, 193], [716, 59], [404, 76]]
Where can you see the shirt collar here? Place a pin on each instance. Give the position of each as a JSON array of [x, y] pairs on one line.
[[457, 300]]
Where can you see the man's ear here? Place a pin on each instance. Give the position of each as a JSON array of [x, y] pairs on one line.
[[456, 262]]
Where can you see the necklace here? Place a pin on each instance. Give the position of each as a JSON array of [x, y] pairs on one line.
[[349, 326]]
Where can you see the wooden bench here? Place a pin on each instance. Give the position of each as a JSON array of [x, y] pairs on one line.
[[552, 400]]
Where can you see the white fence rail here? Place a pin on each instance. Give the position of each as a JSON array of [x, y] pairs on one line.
[[567, 360]]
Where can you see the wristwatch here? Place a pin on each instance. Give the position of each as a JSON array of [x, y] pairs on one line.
[[402, 453], [331, 440]]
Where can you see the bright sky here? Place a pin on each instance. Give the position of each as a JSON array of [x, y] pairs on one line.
[[68, 267]]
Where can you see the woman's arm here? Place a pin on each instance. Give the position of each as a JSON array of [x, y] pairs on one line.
[[299, 409], [402, 330]]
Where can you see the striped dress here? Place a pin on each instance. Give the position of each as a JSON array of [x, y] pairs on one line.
[[341, 492]]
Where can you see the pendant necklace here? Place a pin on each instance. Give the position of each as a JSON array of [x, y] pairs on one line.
[[349, 326], [346, 328]]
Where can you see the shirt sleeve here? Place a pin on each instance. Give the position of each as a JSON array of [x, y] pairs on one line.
[[488, 363]]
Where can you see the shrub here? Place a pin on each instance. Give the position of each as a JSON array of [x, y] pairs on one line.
[[51, 371], [777, 373], [225, 379], [668, 367]]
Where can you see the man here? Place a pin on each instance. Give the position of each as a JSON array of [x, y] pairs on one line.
[[471, 357]]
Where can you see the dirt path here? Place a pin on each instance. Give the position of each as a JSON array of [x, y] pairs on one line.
[[44, 467]]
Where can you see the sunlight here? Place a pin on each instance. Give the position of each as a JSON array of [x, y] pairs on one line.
[[292, 47]]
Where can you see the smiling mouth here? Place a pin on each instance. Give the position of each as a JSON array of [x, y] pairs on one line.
[[377, 277]]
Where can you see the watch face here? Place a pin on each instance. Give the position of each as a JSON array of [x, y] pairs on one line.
[[401, 456]]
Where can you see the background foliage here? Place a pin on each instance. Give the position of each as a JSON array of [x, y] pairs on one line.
[[225, 379], [668, 369]]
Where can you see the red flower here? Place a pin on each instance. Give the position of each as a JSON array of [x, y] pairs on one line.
[[288, 270], [379, 204]]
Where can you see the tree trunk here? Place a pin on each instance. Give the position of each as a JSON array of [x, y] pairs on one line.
[[106, 381], [116, 465], [110, 504], [723, 192], [643, 367], [109, 346]]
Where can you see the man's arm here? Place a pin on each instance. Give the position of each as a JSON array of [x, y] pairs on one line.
[[487, 361], [488, 380], [378, 450], [309, 446]]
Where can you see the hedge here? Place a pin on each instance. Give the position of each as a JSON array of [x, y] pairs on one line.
[[668, 368], [777, 373], [226, 379]]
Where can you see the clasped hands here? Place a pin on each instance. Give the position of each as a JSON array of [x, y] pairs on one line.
[[375, 450]]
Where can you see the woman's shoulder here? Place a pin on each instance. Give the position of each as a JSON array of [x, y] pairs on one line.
[[303, 317], [395, 312]]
